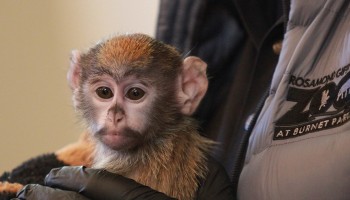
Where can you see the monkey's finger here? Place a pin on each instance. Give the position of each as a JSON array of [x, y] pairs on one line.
[[39, 192]]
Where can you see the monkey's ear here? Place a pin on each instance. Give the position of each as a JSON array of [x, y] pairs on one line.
[[193, 84], [74, 71]]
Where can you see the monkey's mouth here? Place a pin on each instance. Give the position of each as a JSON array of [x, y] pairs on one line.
[[119, 140]]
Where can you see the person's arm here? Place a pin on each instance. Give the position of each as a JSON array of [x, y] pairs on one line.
[[77, 183], [80, 183], [217, 184]]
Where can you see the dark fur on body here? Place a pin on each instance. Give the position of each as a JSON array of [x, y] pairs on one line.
[[172, 157]]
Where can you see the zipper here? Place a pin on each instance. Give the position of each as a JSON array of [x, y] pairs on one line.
[[243, 145], [245, 140]]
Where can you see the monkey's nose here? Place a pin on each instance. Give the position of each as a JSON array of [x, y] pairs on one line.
[[116, 114], [118, 117]]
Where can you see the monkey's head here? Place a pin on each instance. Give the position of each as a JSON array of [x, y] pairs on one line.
[[132, 89]]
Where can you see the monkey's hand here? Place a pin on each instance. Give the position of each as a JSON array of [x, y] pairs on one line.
[[73, 182]]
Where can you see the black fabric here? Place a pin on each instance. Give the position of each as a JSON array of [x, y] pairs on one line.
[[5, 176], [235, 38], [7, 196], [217, 184], [31, 171], [34, 170], [205, 30]]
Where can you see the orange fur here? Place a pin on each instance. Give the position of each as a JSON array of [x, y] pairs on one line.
[[6, 187], [78, 153], [125, 50], [177, 171]]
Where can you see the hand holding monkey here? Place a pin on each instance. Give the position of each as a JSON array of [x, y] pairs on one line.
[[135, 95]]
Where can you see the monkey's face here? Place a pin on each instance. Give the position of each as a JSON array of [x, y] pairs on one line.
[[127, 90], [120, 109]]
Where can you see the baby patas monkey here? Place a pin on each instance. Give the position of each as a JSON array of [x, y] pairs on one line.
[[136, 95]]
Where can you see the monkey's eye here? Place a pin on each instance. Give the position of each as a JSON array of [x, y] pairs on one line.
[[135, 93], [104, 92]]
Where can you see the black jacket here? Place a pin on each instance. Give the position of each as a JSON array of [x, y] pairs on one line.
[[239, 40]]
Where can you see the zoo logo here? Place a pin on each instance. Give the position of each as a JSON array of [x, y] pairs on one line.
[[315, 109]]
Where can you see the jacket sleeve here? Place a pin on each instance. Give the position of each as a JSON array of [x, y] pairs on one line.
[[217, 184]]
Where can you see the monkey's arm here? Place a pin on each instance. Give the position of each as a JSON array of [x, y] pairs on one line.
[[92, 183]]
